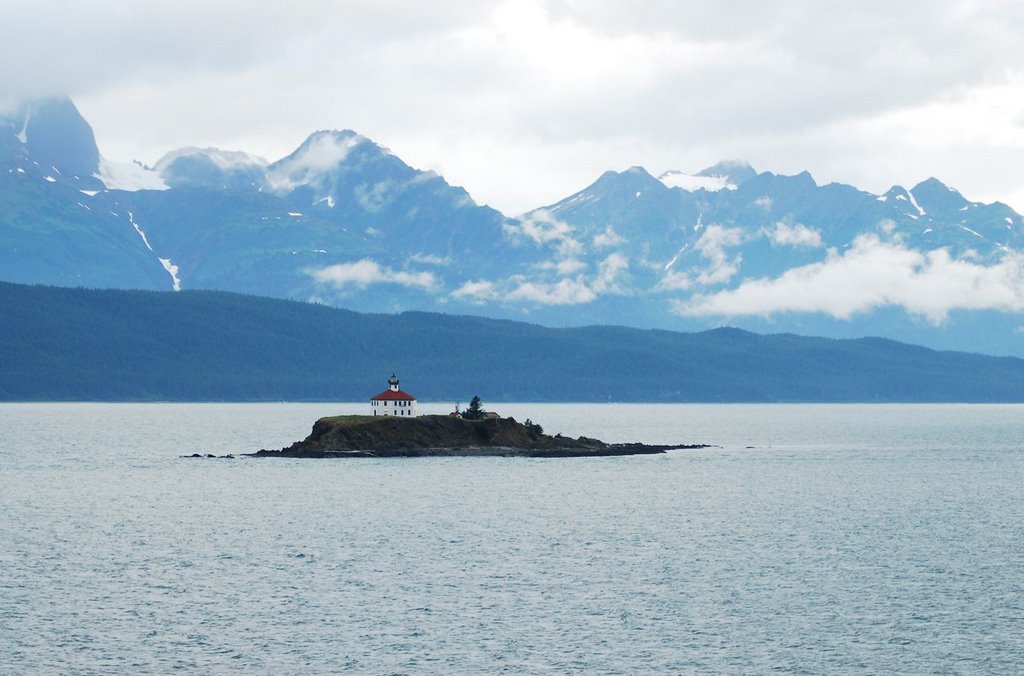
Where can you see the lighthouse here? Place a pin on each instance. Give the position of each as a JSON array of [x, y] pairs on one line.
[[393, 401]]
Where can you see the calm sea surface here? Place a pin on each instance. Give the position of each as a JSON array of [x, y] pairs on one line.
[[816, 538]]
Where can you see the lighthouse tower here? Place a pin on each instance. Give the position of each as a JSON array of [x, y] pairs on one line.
[[394, 401]]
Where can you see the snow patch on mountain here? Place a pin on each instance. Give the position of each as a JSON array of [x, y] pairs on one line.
[[145, 240], [128, 176], [172, 270], [913, 201], [692, 183], [672, 261], [23, 134]]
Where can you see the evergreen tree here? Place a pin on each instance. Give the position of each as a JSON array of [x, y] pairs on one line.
[[475, 410]]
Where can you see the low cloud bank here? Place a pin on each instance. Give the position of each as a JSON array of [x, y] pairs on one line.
[[366, 272], [565, 291], [874, 273]]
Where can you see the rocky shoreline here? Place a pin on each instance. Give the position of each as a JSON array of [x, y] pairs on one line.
[[447, 436]]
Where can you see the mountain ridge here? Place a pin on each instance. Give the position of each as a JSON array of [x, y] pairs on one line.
[[78, 344], [343, 220]]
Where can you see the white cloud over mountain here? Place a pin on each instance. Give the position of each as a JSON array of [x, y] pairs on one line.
[[874, 273], [366, 272], [799, 235]]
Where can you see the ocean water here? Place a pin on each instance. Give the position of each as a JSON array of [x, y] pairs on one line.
[[813, 538]]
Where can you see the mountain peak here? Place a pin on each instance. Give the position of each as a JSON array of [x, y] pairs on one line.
[[932, 183], [691, 183], [726, 175], [321, 152], [736, 171], [225, 159], [937, 197], [54, 134], [211, 168]]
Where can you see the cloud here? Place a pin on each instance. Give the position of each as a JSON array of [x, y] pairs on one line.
[[565, 267], [542, 228], [570, 266], [872, 274], [573, 290], [798, 235], [374, 197], [430, 259], [366, 272], [564, 292], [674, 281], [608, 238], [712, 245], [476, 291], [608, 272]]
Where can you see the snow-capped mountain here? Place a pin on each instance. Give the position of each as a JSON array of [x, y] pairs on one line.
[[50, 136], [345, 221], [726, 175], [211, 168]]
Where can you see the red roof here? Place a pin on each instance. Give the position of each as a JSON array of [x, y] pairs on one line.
[[393, 395]]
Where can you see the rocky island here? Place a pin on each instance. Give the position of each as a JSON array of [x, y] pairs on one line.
[[368, 436]]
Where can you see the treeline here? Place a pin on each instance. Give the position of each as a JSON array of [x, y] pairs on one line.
[[78, 344]]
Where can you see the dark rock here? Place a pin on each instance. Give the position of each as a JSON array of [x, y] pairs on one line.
[[437, 435]]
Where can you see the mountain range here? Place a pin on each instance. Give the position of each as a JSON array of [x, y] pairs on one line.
[[344, 221]]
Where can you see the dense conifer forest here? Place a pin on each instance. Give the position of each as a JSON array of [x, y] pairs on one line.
[[79, 344]]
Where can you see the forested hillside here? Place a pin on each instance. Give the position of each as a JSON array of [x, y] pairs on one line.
[[78, 344]]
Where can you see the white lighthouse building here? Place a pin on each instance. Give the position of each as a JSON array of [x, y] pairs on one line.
[[394, 401]]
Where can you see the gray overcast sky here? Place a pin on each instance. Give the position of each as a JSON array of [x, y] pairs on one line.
[[525, 102]]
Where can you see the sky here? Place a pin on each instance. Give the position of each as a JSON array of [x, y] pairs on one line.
[[526, 102]]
